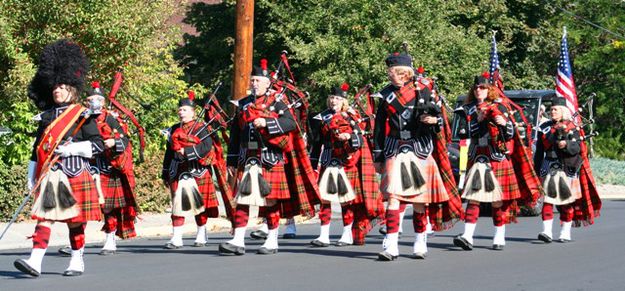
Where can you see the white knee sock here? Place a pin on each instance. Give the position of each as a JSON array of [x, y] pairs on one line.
[[76, 263], [548, 227], [420, 243], [469, 229], [109, 243], [176, 238], [390, 243], [500, 235], [239, 237], [272, 239], [324, 234], [200, 237], [36, 257], [346, 237], [565, 232]]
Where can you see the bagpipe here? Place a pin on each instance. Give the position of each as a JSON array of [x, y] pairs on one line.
[[254, 111], [365, 103], [490, 112], [126, 158], [340, 123]]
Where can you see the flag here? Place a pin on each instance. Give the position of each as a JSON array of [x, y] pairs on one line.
[[493, 70], [565, 86]]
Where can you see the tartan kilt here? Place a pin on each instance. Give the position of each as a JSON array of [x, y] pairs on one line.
[[276, 178], [86, 196], [117, 191], [504, 172], [434, 188], [205, 186], [353, 175]]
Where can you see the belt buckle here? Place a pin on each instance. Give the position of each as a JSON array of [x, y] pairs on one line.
[[252, 145], [404, 134]]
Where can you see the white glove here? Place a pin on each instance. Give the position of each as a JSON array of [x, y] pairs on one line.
[[32, 165], [82, 149]]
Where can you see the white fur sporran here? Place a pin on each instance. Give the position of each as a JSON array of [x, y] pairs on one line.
[[253, 171], [559, 188], [187, 197], [48, 204], [329, 188], [477, 188], [404, 159]]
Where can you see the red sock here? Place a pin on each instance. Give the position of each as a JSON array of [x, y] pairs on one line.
[[362, 225], [41, 237], [392, 221], [566, 213], [472, 213], [547, 211], [325, 214], [177, 220], [241, 216], [498, 216], [77, 236], [419, 222], [201, 218], [348, 214], [110, 222], [272, 214]]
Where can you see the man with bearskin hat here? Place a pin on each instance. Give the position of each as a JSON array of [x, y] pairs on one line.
[[67, 137], [186, 171], [268, 158], [412, 157], [347, 175], [500, 170], [559, 161]]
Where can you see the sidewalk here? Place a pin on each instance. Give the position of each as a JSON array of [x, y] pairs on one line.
[[159, 225]]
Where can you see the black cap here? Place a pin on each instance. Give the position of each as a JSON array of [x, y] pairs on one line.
[[398, 59], [340, 91], [483, 79], [261, 71], [189, 101], [559, 101]]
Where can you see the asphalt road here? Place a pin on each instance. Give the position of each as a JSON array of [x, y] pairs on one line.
[[594, 261]]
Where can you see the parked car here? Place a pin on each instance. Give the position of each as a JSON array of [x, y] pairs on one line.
[[530, 101]]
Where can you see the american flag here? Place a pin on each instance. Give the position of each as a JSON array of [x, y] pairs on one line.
[[565, 86], [493, 70]]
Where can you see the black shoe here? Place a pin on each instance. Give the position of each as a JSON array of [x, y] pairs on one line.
[[107, 252], [462, 242], [419, 256], [386, 257], [342, 244], [289, 236], [171, 246], [258, 234], [266, 251], [498, 247], [65, 251], [71, 273], [319, 244], [545, 238], [25, 268], [230, 249], [199, 245]]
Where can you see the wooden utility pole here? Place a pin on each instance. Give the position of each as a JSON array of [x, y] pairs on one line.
[[243, 48]]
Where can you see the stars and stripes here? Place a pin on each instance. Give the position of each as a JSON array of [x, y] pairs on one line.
[[493, 70], [565, 86]]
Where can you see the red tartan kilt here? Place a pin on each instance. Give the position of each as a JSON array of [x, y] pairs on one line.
[[354, 178], [504, 172], [435, 191], [117, 191], [86, 196], [276, 178], [205, 186]]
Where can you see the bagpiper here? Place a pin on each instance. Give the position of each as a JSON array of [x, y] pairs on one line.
[[186, 172], [412, 157], [559, 160], [268, 158], [67, 137], [347, 175], [500, 166]]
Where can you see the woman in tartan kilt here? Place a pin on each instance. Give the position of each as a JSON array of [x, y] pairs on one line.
[[268, 158], [491, 176], [113, 171], [558, 160], [409, 158], [58, 173], [347, 175], [186, 171]]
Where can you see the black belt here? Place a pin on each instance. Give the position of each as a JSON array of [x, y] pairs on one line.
[[403, 134]]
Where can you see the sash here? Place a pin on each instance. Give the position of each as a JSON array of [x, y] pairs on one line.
[[53, 135]]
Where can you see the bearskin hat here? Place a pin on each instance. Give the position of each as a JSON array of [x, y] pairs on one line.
[[61, 62]]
